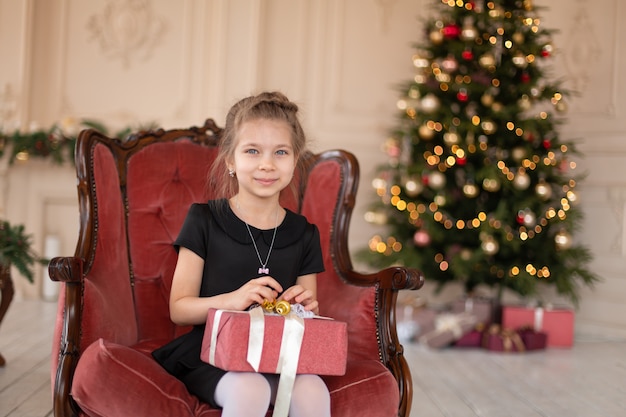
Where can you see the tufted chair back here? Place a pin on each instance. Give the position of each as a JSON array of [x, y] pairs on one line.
[[133, 198]]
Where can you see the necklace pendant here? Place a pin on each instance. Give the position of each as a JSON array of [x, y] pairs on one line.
[[264, 270]]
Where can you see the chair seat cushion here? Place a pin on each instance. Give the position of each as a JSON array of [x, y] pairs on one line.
[[116, 380], [368, 389], [128, 382]]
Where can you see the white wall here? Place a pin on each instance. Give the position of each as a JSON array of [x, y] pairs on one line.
[[176, 63]]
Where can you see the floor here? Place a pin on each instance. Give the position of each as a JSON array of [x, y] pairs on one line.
[[588, 380]]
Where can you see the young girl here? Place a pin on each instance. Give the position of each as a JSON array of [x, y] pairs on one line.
[[241, 250]]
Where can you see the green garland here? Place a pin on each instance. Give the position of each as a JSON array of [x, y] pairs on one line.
[[16, 249], [51, 143]]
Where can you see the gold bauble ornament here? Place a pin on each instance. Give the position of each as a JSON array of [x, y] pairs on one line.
[[518, 153], [436, 37], [490, 246], [487, 99], [519, 60], [470, 190], [488, 127], [491, 184], [521, 181], [487, 60], [518, 38], [451, 138], [561, 106], [543, 190], [563, 240], [426, 132], [524, 103]]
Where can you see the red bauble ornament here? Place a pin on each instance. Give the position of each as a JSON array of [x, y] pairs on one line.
[[462, 96], [467, 55], [461, 161], [546, 144], [421, 238], [525, 77], [451, 31]]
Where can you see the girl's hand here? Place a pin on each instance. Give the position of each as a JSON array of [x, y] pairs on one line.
[[301, 295], [254, 291]]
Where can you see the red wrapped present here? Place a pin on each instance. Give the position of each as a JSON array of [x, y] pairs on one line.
[[480, 307], [229, 343], [533, 340], [501, 339], [472, 339], [448, 329], [558, 324]]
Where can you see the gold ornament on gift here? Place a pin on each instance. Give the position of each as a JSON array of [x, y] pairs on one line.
[[281, 307]]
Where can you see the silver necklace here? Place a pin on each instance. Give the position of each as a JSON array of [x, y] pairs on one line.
[[263, 269]]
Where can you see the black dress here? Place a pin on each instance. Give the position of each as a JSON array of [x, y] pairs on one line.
[[217, 235]]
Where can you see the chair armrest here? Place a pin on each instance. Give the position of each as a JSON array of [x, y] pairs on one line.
[[69, 271], [393, 278], [388, 282]]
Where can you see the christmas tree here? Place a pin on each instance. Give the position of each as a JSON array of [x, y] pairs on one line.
[[479, 189]]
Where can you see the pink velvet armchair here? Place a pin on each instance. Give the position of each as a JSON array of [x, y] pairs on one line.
[[113, 310]]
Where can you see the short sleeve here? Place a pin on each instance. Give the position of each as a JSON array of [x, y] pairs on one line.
[[195, 230], [312, 261]]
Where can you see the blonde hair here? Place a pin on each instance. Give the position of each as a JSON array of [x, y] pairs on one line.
[[266, 105]]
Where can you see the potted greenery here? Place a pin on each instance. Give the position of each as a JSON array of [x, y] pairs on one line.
[[15, 250]]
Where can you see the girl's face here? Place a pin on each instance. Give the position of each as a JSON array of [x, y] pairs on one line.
[[264, 159]]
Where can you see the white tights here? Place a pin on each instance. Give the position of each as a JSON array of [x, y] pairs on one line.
[[247, 394]]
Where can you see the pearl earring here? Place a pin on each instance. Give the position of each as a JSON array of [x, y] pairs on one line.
[[231, 173]]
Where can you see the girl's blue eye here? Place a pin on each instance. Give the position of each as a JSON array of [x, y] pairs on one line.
[[282, 152], [252, 151]]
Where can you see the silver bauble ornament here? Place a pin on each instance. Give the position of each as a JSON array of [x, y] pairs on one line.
[[430, 103], [413, 187], [436, 180], [521, 181]]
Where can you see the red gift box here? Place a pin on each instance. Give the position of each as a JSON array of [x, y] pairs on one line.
[[472, 339], [532, 339], [501, 339], [323, 350], [558, 324]]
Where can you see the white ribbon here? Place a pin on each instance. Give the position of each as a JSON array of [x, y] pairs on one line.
[[216, 326], [287, 366], [255, 337], [291, 343], [538, 319], [451, 322]]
